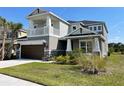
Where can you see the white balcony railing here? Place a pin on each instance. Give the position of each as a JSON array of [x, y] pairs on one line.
[[39, 31], [43, 31]]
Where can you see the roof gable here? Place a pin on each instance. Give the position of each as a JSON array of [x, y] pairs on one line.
[[83, 32], [89, 22], [37, 11]]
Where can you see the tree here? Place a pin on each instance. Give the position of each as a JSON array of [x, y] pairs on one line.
[[3, 23], [14, 27]]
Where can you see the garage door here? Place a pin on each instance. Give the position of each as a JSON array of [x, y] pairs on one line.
[[32, 51]]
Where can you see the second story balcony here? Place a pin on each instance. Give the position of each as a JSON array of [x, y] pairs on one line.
[[41, 31], [45, 25]]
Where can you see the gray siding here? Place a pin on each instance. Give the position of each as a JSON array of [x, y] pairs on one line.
[[75, 44], [53, 43]]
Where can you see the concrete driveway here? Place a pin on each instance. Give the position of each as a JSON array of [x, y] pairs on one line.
[[8, 63]]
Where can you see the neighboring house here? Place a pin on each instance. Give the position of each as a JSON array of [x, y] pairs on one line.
[[22, 33], [49, 34]]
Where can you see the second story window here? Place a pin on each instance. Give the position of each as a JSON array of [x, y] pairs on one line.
[[99, 27], [35, 26], [51, 24], [74, 27], [94, 28], [81, 30], [90, 28]]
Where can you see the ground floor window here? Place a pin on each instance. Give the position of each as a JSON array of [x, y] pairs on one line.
[[86, 46]]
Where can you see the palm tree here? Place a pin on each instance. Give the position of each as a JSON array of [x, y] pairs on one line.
[[15, 28], [3, 23]]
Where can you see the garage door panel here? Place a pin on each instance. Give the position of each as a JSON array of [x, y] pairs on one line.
[[32, 51]]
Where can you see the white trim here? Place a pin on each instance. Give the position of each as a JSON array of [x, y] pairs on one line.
[[82, 29], [31, 42], [59, 18], [38, 35], [83, 36], [44, 35], [28, 17]]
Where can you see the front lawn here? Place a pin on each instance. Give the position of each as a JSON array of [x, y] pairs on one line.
[[55, 74]]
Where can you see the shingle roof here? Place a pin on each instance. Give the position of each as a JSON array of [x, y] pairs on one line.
[[87, 22], [38, 11]]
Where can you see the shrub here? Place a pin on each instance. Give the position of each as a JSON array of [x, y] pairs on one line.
[[99, 63], [91, 64], [65, 60], [60, 59]]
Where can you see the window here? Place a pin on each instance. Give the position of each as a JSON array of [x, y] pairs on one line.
[[91, 28], [89, 47], [94, 28], [51, 24], [74, 27], [81, 30], [83, 46], [99, 27], [35, 26], [86, 46]]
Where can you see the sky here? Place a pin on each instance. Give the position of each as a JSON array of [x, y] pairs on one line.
[[113, 17]]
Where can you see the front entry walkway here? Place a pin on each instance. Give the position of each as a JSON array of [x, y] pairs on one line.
[[11, 81]]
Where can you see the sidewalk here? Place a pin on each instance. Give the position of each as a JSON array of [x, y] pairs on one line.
[[11, 81]]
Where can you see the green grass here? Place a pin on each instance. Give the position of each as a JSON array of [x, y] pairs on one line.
[[54, 74]]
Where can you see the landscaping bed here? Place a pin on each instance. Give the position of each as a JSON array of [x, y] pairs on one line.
[[67, 75]]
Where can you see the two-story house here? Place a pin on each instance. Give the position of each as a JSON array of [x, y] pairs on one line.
[[49, 34]]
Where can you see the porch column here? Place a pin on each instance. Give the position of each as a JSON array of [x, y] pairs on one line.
[[69, 48], [48, 23], [96, 46]]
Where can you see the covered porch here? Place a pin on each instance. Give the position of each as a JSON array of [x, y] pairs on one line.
[[89, 44]]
